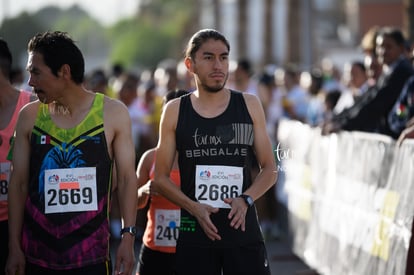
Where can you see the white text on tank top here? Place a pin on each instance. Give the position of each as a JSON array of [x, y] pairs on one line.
[[70, 190], [214, 183]]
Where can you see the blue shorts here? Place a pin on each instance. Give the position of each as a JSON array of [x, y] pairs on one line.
[[247, 259]]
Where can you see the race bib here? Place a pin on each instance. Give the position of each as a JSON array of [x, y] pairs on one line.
[[4, 180], [167, 226], [70, 190], [214, 183]]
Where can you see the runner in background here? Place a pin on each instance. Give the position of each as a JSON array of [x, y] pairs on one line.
[[11, 101], [163, 217]]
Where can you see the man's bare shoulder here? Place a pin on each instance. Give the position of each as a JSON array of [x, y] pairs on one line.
[[252, 102], [250, 99], [172, 107], [170, 112], [114, 106], [116, 117], [30, 109], [113, 101], [28, 115]]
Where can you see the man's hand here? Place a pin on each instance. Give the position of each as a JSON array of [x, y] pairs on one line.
[[16, 263], [329, 128], [238, 212], [202, 212], [125, 257], [407, 133], [148, 189]]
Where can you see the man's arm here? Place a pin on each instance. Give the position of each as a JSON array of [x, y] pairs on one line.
[[18, 188], [267, 167], [143, 174], [118, 120], [166, 150], [263, 148]]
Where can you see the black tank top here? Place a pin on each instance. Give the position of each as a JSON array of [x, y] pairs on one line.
[[215, 161]]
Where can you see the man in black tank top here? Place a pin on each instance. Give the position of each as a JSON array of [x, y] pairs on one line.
[[217, 133]]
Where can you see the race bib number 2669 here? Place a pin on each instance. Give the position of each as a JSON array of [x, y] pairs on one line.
[[70, 190]]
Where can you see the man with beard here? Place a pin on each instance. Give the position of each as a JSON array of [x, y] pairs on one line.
[[219, 230]]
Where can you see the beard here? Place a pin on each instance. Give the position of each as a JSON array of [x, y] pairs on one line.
[[40, 95], [214, 89]]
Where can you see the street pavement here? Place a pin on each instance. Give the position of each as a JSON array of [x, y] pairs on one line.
[[283, 261]]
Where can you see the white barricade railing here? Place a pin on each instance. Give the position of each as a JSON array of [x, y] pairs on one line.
[[350, 198]]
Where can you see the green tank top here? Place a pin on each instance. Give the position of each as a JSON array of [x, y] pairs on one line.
[[67, 210]]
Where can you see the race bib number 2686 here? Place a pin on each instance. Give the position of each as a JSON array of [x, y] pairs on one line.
[[214, 183]]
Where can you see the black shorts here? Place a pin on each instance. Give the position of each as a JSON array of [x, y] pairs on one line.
[[247, 259], [104, 268], [4, 247], [152, 262]]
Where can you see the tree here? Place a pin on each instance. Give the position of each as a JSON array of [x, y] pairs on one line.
[[409, 19], [139, 45], [268, 31], [25, 26], [294, 24], [156, 33], [87, 32], [242, 27]]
